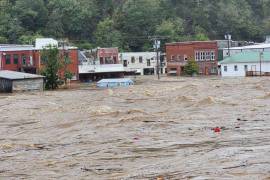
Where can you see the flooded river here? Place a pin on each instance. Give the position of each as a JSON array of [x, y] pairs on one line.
[[153, 130]]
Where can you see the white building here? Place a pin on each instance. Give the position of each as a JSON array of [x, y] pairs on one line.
[[251, 48], [246, 62], [143, 63], [100, 63], [42, 43]]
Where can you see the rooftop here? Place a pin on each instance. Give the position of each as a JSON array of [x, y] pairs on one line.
[[191, 42], [15, 47], [256, 46], [14, 75], [115, 80], [246, 57]]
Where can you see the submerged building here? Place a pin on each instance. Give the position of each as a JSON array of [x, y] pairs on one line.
[[141, 63], [100, 63], [205, 53], [246, 64]]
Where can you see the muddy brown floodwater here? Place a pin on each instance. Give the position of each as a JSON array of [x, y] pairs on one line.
[[145, 131]]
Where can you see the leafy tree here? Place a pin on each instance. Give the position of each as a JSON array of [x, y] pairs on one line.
[[106, 35], [31, 13], [51, 61], [191, 68], [67, 74]]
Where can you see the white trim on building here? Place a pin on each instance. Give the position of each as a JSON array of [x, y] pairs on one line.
[[143, 63]]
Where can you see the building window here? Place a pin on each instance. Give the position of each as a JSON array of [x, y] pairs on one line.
[[114, 60], [185, 58], [208, 56], [197, 56], [246, 67], [225, 69], [148, 62], [213, 70], [235, 68], [15, 58], [201, 58], [141, 59], [8, 59], [24, 59], [125, 63], [132, 59], [213, 56], [172, 58]]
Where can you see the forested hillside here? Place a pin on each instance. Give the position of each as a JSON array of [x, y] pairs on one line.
[[128, 23]]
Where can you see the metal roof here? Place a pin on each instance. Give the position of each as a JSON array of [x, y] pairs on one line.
[[256, 46], [15, 47], [247, 57], [14, 75], [190, 42]]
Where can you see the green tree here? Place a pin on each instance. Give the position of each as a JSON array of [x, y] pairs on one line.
[[191, 68], [52, 65], [106, 35], [67, 73], [32, 14]]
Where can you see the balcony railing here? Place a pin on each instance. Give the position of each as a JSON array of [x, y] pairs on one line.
[[89, 68]]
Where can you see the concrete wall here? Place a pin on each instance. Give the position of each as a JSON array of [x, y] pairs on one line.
[[28, 85], [241, 72]]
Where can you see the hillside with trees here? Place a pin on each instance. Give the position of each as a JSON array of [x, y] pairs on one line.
[[127, 24]]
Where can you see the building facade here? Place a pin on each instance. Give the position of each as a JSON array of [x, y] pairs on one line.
[[245, 63], [12, 81], [250, 48], [100, 63], [141, 63], [27, 58], [205, 53]]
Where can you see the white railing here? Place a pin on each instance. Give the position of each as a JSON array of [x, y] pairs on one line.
[[86, 68]]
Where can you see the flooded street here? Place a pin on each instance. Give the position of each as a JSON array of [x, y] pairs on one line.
[[148, 130]]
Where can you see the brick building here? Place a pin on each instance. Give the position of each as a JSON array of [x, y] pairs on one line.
[[205, 53], [27, 58]]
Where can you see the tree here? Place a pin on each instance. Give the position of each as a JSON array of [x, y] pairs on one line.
[[31, 13], [51, 60], [67, 74], [191, 68], [106, 35]]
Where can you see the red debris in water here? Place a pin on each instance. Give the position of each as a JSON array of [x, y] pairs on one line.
[[217, 129]]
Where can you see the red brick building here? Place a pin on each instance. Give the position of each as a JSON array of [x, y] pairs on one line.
[[108, 55], [205, 53], [25, 58]]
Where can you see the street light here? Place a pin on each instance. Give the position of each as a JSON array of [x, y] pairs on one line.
[[228, 37]]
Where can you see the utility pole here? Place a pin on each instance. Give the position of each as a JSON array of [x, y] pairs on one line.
[[228, 37], [261, 55], [157, 46]]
